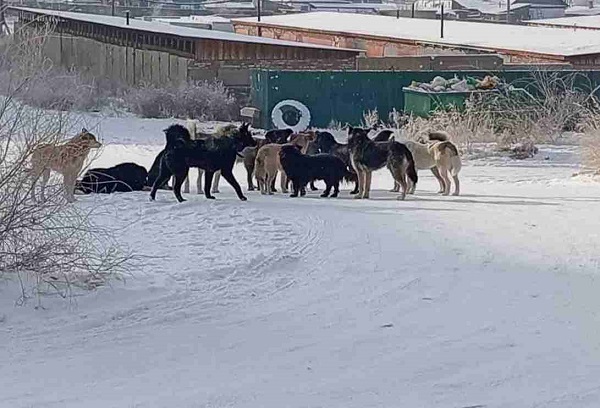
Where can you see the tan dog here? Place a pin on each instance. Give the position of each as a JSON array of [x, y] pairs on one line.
[[267, 164], [441, 157], [447, 160], [66, 159]]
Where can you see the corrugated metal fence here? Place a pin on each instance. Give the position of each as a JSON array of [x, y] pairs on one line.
[[344, 96]]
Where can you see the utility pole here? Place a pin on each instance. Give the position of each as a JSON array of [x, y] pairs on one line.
[[112, 11], [258, 17], [442, 22], [507, 11], [3, 24]]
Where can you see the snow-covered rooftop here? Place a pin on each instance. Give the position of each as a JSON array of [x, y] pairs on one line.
[[193, 19], [582, 11], [485, 36], [591, 22], [159, 27]]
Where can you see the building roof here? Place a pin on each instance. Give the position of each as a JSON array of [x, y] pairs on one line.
[[191, 19], [490, 6], [354, 6], [582, 11], [544, 3], [545, 41], [159, 27], [589, 22]]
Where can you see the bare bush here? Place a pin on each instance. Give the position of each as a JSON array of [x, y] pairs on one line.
[[371, 119], [205, 100], [50, 245]]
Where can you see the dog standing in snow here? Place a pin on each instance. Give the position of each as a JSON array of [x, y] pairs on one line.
[[192, 126], [67, 159], [441, 157]]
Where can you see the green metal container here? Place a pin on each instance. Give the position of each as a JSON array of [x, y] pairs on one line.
[[422, 103]]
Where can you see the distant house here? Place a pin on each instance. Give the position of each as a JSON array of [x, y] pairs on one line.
[[520, 10], [483, 10], [541, 9]]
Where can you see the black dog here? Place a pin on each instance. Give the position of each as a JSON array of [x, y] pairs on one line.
[[210, 154], [155, 170], [368, 156], [279, 136], [302, 169], [123, 177], [383, 136], [326, 143]]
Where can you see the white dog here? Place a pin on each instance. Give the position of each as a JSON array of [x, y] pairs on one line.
[[441, 157]]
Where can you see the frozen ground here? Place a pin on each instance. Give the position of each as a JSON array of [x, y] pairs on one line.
[[485, 300]]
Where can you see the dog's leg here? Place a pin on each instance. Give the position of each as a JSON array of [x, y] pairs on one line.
[[271, 182], [411, 187], [327, 189], [249, 171], [199, 181], [215, 186], [303, 190], [228, 175], [367, 188], [69, 180], [284, 183], [360, 181], [336, 188], [163, 175], [261, 185], [43, 182], [355, 190], [439, 178], [396, 188], [456, 185], [179, 179], [399, 175], [208, 178], [295, 188], [444, 174]]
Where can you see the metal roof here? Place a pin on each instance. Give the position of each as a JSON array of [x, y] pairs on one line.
[[163, 28], [516, 39]]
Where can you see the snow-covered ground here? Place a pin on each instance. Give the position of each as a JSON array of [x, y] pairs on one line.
[[485, 300]]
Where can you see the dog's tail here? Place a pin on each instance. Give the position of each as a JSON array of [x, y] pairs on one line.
[[438, 136], [401, 153], [259, 166], [411, 170], [348, 177], [451, 147]]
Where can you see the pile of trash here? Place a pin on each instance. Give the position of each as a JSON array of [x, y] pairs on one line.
[[439, 84]]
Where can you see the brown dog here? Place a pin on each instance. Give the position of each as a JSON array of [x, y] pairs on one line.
[[66, 159], [267, 163]]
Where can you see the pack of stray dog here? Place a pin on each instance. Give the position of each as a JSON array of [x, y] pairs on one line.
[[300, 158]]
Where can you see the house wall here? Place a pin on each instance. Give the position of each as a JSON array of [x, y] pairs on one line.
[[430, 63], [114, 62], [385, 48], [372, 47], [540, 13]]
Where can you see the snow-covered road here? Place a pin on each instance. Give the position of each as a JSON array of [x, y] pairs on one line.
[[490, 299]]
